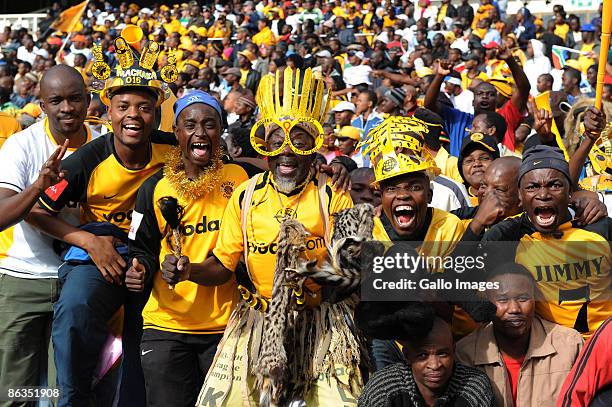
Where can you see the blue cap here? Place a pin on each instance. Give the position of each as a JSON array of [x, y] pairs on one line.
[[197, 96], [587, 28]]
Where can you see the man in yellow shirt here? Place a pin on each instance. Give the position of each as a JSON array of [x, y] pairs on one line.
[[251, 224], [171, 25], [570, 262], [8, 126], [265, 36], [183, 324], [403, 170], [589, 46]]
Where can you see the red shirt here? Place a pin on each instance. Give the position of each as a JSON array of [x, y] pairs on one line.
[[513, 367], [592, 370], [513, 118]]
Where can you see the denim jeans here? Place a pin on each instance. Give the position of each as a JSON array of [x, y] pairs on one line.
[[385, 353], [86, 303]]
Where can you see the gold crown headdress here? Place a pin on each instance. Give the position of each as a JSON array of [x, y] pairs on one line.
[[305, 102], [133, 69], [396, 147]]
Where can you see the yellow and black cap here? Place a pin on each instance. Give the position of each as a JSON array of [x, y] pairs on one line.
[[477, 141]]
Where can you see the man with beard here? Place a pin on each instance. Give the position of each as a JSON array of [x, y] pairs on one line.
[[28, 266], [103, 177], [574, 278], [526, 357], [485, 95], [183, 325], [250, 227]]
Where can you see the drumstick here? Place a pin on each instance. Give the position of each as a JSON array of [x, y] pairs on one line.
[[172, 213]]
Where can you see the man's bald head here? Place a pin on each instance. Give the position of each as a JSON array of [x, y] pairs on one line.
[[64, 99], [62, 75], [501, 179], [509, 165]]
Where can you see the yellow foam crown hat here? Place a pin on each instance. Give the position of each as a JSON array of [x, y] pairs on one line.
[[396, 147], [301, 99], [133, 69], [601, 155]]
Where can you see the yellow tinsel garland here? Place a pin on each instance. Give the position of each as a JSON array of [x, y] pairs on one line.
[[188, 189]]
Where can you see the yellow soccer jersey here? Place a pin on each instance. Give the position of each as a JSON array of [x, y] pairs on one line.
[[441, 232], [263, 220], [440, 235], [190, 307], [571, 268], [96, 179]]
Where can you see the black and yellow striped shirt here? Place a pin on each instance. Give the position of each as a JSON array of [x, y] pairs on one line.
[[101, 184]]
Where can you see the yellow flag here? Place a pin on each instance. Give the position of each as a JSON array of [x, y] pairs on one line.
[[167, 113], [542, 101], [69, 19]]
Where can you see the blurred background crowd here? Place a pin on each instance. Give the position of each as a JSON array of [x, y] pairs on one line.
[[378, 57]]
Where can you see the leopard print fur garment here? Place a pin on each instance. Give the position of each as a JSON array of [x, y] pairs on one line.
[[352, 227], [271, 370]]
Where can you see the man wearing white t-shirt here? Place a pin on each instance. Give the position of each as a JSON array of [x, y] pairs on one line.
[[28, 51], [357, 73], [28, 264]]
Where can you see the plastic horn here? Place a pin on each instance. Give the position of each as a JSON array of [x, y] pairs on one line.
[[172, 213], [606, 27], [133, 35]]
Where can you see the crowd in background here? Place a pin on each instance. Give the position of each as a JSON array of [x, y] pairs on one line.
[[378, 56], [490, 86]]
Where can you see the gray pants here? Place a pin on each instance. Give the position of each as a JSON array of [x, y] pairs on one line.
[[26, 312]]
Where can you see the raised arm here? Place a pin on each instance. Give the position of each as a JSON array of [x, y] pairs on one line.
[[431, 98], [395, 77], [14, 206], [520, 98], [594, 123]]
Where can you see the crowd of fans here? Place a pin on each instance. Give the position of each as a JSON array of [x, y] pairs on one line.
[[500, 94]]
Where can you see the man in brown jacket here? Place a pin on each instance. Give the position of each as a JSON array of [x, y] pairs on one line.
[[526, 358]]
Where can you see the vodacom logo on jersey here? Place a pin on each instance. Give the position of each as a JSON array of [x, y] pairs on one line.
[[118, 217]]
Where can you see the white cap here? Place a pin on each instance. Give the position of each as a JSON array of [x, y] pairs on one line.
[[146, 10], [359, 54], [323, 54], [342, 106], [382, 37]]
